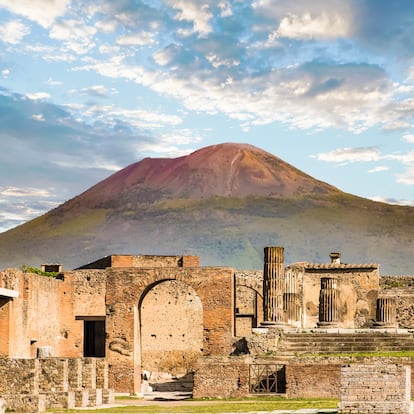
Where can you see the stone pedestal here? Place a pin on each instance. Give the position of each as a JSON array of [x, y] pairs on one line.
[[274, 287], [386, 313], [328, 303]]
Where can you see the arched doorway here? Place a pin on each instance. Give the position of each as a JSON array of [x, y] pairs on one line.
[[171, 334], [248, 312]]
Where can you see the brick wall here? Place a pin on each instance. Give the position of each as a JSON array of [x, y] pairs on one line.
[[126, 291], [30, 320], [402, 288], [221, 378], [313, 381], [376, 389], [171, 328]]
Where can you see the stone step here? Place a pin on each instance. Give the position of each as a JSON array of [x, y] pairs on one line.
[[313, 343]]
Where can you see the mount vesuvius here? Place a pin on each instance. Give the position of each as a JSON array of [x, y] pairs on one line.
[[224, 203]]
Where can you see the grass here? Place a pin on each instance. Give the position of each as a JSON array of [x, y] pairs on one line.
[[218, 406]]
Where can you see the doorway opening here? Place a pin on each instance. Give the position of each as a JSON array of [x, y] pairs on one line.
[[94, 338]]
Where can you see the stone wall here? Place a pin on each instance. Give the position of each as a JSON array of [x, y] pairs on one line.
[[313, 381], [30, 320], [376, 389], [358, 287], [329, 369], [223, 377], [34, 385], [249, 301], [402, 289], [126, 290], [171, 328], [125, 260]]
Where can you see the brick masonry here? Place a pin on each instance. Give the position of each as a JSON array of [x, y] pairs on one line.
[[221, 377], [313, 381], [126, 290], [376, 389]]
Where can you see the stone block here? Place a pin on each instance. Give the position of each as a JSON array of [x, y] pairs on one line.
[[25, 403], [64, 399], [376, 388], [108, 396], [82, 398]]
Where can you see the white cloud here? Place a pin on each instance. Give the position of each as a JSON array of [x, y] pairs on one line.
[[38, 96], [50, 53], [95, 90], [38, 117], [193, 11], [53, 82], [75, 34], [73, 162], [106, 26], [139, 118], [43, 12], [406, 158], [393, 201], [5, 73], [407, 177], [409, 138], [306, 26], [13, 32], [225, 8], [139, 39], [109, 49], [349, 155], [11, 191], [378, 169]]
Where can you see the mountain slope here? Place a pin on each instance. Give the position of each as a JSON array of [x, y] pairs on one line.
[[225, 203]]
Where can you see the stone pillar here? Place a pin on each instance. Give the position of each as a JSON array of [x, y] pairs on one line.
[[328, 303], [386, 313], [291, 299], [273, 287]]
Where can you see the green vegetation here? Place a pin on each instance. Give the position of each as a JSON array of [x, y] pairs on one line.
[[219, 406], [37, 271]]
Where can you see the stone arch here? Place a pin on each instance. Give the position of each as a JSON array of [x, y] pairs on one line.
[[248, 301], [171, 328], [124, 289]]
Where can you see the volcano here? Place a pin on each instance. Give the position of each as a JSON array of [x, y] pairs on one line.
[[224, 203]]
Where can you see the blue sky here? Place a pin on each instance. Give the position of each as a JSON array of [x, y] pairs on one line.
[[87, 88]]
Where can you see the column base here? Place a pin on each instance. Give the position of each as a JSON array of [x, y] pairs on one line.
[[385, 325], [273, 325], [327, 325]]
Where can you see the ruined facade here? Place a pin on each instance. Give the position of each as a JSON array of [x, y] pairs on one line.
[[152, 315]]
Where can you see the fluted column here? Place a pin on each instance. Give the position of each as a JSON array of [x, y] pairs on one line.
[[291, 299], [273, 286], [328, 303], [386, 313]]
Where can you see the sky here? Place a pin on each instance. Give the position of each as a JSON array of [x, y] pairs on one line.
[[89, 87]]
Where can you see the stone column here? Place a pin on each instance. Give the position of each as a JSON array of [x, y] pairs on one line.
[[291, 299], [273, 287], [328, 303], [386, 313]]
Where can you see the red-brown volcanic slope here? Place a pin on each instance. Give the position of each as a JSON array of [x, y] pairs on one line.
[[229, 170]]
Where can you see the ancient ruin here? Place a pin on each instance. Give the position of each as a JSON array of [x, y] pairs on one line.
[[134, 323]]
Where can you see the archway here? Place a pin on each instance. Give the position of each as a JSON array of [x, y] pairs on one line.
[[249, 305], [171, 334]]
